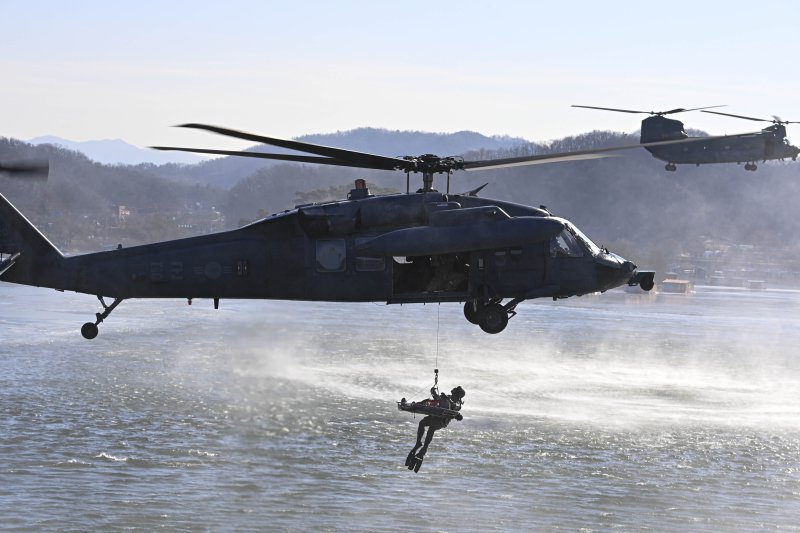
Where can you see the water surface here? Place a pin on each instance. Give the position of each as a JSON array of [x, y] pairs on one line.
[[671, 413]]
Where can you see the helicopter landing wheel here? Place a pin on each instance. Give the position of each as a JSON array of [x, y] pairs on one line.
[[89, 330], [751, 167], [472, 311], [670, 167], [493, 318]]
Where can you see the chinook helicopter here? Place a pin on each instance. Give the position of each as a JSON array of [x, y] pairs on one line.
[[417, 247], [769, 143]]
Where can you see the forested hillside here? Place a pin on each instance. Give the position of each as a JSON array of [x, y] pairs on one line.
[[79, 206], [628, 202]]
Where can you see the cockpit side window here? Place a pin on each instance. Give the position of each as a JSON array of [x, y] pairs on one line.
[[565, 245]]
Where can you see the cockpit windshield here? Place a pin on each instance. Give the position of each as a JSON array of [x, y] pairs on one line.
[[566, 243], [592, 247]]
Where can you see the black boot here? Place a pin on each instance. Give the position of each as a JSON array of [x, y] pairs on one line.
[[411, 459], [418, 462]]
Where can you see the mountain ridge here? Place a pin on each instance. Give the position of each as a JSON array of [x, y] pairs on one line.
[[118, 151]]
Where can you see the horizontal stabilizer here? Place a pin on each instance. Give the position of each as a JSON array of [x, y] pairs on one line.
[[7, 263]]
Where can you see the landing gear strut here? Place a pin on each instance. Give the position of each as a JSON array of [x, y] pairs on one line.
[[491, 317], [89, 330]]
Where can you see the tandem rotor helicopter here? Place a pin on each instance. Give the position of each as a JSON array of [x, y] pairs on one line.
[[767, 144], [412, 247]]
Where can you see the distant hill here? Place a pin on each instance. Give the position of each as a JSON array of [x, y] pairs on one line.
[[118, 152]]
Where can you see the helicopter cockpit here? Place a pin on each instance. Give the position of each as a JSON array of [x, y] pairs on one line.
[[571, 242]]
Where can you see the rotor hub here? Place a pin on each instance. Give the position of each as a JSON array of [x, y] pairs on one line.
[[433, 164]]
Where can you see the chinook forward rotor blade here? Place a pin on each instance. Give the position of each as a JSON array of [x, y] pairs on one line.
[[613, 109], [31, 170], [362, 159], [775, 120], [280, 157], [657, 113]]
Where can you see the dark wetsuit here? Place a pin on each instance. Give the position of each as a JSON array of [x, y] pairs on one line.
[[433, 423]]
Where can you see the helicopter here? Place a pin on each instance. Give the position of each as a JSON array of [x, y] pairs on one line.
[[412, 247], [767, 144]]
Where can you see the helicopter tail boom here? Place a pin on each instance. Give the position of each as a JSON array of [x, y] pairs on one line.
[[29, 252]]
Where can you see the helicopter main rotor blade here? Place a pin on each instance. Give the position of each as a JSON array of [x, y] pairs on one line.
[[658, 113], [597, 153], [776, 119], [32, 170], [280, 157], [508, 162], [363, 159], [700, 108], [613, 109], [739, 116]]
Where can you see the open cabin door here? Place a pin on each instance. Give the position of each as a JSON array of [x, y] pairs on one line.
[[431, 278]]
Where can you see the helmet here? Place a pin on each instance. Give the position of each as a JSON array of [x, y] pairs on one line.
[[457, 393]]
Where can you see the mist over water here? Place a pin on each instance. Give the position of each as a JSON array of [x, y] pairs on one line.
[[668, 413]]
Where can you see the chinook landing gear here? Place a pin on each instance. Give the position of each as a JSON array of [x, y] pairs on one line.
[[670, 167], [491, 317], [89, 330], [751, 167]]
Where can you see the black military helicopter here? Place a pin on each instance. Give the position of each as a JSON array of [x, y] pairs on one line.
[[423, 246], [769, 143]]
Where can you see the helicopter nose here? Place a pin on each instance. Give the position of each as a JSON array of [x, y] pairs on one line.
[[613, 270], [628, 266]]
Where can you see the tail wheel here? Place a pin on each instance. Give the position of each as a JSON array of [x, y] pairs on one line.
[[493, 318], [89, 330]]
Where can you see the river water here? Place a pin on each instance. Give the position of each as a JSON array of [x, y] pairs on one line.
[[666, 413]]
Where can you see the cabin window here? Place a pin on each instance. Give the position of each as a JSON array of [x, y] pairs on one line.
[[331, 255], [565, 245], [500, 258]]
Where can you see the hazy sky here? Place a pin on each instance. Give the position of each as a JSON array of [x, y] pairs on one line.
[[94, 70]]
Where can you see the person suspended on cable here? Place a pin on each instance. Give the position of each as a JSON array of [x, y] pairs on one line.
[[441, 408]]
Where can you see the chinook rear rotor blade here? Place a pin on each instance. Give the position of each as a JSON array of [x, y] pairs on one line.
[[775, 120]]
